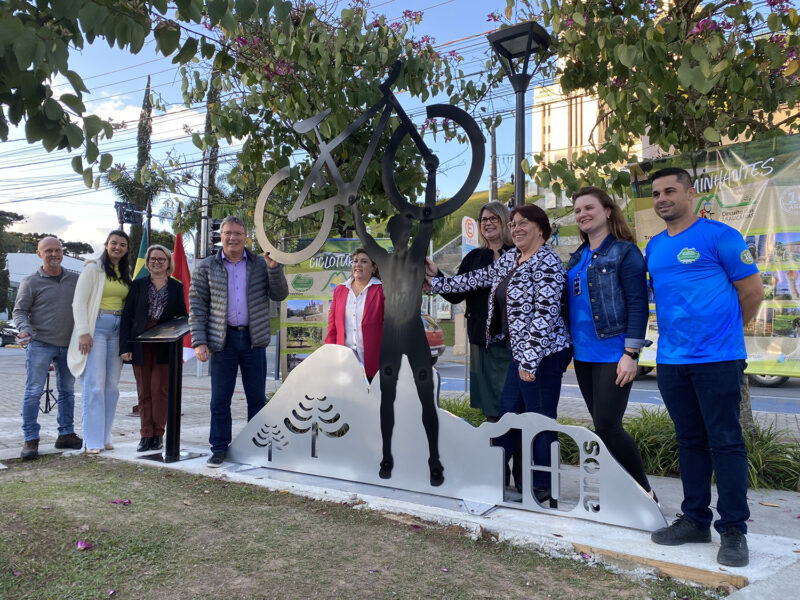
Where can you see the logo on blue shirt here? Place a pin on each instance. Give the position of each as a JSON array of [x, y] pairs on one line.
[[688, 255]]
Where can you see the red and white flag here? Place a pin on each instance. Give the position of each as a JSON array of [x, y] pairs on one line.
[[182, 274]]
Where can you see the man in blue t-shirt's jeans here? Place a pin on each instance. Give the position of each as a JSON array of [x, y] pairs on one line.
[[706, 287]]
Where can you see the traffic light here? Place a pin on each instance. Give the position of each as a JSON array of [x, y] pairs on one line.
[[216, 234]]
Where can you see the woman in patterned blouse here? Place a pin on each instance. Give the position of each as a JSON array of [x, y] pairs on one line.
[[152, 300], [526, 297]]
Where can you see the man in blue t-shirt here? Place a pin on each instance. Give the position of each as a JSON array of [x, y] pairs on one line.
[[706, 287]]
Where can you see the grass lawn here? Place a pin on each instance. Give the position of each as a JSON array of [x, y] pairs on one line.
[[185, 536]]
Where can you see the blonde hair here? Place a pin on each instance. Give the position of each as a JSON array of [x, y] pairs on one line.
[[170, 263], [500, 211]]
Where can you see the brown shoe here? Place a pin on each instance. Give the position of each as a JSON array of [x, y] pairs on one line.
[[69, 441], [30, 449]]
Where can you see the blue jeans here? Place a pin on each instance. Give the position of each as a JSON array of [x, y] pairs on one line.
[[538, 396], [224, 365], [38, 357], [100, 382], [703, 402]]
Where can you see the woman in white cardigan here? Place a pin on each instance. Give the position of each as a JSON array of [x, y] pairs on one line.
[[94, 348]]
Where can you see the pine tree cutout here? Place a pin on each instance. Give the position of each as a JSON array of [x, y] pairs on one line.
[[269, 438], [314, 418]]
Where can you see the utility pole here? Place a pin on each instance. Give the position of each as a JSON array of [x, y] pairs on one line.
[[493, 176], [203, 237]]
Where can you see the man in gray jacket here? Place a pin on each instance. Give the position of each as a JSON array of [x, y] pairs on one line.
[[43, 315], [229, 320]]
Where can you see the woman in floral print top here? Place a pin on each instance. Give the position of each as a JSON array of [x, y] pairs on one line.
[[526, 310]]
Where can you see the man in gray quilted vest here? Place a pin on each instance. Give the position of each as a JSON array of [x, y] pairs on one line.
[[229, 320]]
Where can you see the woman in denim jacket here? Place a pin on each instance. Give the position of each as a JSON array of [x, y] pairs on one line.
[[608, 310]]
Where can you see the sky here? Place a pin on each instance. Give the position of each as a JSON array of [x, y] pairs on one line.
[[43, 187]]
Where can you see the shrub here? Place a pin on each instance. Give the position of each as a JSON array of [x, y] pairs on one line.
[[773, 462], [459, 406], [654, 434]]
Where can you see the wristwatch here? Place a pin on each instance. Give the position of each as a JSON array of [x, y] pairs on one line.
[[633, 355]]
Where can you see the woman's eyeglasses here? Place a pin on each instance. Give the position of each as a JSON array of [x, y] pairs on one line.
[[487, 220]]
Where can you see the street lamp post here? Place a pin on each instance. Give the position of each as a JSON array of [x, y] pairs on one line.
[[515, 45]]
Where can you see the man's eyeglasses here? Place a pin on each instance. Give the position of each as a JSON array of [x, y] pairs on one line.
[[492, 219], [233, 234]]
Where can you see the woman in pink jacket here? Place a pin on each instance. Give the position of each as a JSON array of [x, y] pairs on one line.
[[356, 315]]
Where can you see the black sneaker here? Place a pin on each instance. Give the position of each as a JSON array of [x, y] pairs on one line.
[[733, 552], [216, 460], [682, 531], [30, 449], [69, 441]]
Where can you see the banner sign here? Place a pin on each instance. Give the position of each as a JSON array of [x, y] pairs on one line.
[[304, 313], [753, 187], [469, 235]]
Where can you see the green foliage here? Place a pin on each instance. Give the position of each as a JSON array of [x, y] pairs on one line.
[[773, 462], [6, 219], [288, 62], [15, 241], [654, 434], [459, 406], [687, 75], [36, 39], [164, 238]]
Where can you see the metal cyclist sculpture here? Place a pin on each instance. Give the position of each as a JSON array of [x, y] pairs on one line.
[[402, 270]]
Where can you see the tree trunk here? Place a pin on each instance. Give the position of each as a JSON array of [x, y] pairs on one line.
[[745, 409]]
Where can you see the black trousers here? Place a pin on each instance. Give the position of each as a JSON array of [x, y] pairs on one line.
[[607, 402]]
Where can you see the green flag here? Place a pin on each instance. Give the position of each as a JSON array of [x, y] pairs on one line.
[[140, 270]]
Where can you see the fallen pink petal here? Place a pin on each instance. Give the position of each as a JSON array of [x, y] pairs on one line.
[[123, 502], [16, 573], [585, 556], [373, 570], [558, 535], [111, 592], [83, 545], [445, 570]]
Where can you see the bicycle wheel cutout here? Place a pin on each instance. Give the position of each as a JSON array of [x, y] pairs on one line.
[[305, 237], [478, 158]]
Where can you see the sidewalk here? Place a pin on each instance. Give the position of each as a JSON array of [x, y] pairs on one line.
[[195, 414]]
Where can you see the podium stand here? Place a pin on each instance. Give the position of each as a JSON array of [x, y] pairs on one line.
[[171, 332]]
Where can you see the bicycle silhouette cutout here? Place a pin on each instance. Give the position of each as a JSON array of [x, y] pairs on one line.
[[403, 270], [347, 191]]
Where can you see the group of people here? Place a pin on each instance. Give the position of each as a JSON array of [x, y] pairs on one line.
[[528, 316], [85, 325]]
